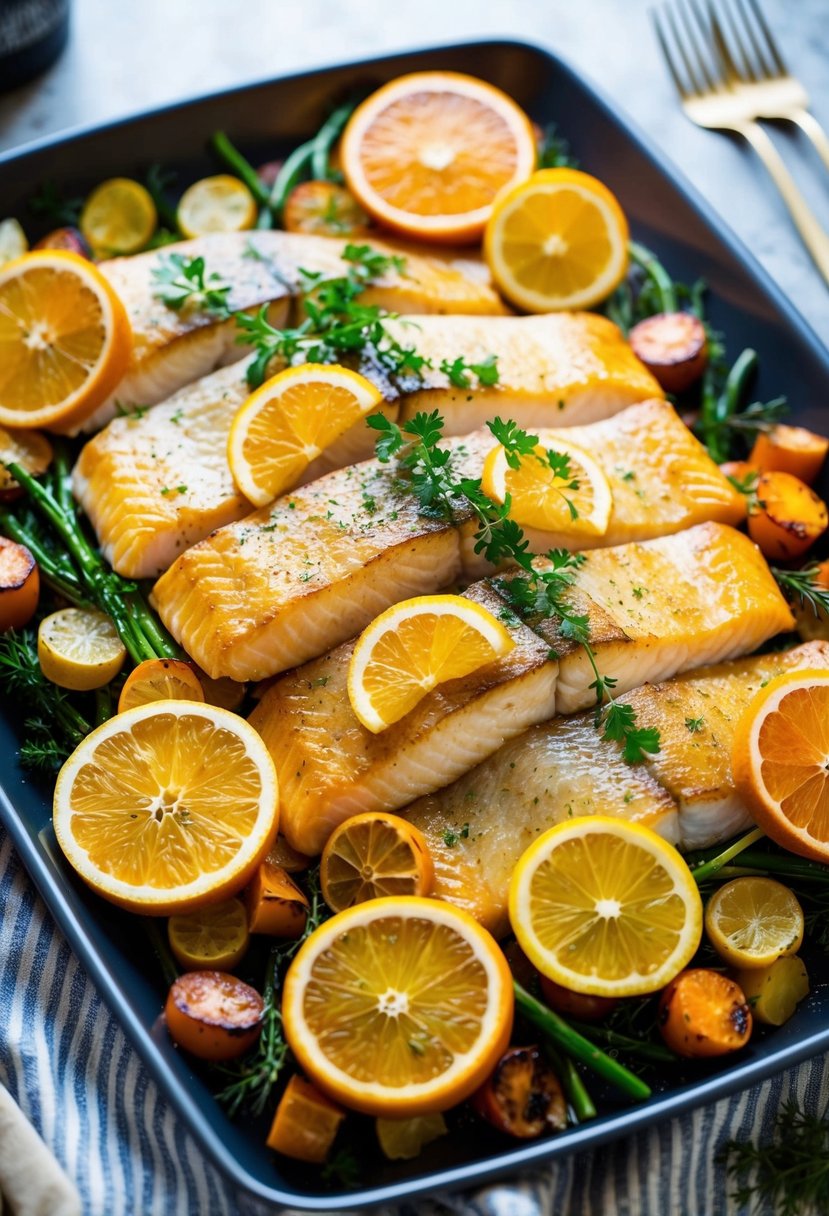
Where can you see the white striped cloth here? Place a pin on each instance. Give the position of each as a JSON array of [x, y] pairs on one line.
[[68, 1065]]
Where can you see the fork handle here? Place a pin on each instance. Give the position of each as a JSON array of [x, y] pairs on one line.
[[810, 126], [814, 237]]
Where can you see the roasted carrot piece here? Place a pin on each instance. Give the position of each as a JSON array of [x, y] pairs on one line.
[[275, 904], [324, 208], [213, 1015], [787, 517], [305, 1123], [523, 1097], [577, 1005], [790, 449], [673, 347], [703, 1013], [19, 585], [29, 449]]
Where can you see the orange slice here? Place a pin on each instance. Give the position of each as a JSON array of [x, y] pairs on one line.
[[31, 450], [167, 807], [781, 761], [160, 680], [214, 938], [428, 153], [605, 907], [289, 421], [372, 855], [118, 217], [414, 646], [557, 241], [65, 340], [398, 1007], [216, 204], [542, 495]]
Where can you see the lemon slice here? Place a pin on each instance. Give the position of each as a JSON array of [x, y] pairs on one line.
[[398, 1007], [558, 240], [118, 217], [79, 648], [65, 340], [214, 938], [289, 421], [751, 922], [414, 646], [572, 499], [168, 806], [216, 204], [605, 907]]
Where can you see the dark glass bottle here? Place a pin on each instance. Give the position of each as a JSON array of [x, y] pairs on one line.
[[32, 35]]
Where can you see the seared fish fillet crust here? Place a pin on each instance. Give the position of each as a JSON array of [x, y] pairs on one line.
[[173, 348], [356, 535], [564, 768], [327, 773]]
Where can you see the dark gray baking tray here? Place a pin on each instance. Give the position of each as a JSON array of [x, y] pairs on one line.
[[667, 214]]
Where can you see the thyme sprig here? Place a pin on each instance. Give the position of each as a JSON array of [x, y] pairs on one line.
[[803, 586], [255, 1076], [788, 1175], [541, 586]]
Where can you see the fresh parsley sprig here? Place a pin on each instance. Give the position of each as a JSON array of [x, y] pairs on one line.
[[182, 282], [459, 371], [540, 588]]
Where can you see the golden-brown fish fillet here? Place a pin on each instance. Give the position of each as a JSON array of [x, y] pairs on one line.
[[126, 478], [330, 766], [154, 484], [564, 768], [373, 772], [173, 348], [299, 576]]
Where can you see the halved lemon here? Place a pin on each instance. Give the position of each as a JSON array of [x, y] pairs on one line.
[[605, 907], [428, 153], [216, 204], [160, 680], [780, 760], [557, 241], [405, 1139], [79, 648], [573, 499], [214, 938], [398, 1007], [289, 421], [65, 340], [167, 807], [414, 646], [753, 921], [372, 855], [118, 217]]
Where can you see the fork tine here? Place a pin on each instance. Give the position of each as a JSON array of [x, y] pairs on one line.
[[694, 30], [770, 44], [728, 66], [746, 69], [669, 60]]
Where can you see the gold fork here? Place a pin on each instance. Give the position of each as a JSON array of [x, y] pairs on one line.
[[759, 71], [710, 99]]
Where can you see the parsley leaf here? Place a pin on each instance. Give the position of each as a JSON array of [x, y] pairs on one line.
[[458, 371], [183, 282]]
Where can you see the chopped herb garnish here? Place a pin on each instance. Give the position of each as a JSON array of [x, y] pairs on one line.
[[183, 282], [694, 725], [459, 371]]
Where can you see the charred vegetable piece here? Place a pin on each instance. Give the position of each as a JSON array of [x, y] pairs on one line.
[[576, 1004], [790, 449], [31, 450], [269, 172], [673, 347], [275, 904], [324, 208], [70, 239], [213, 1015], [305, 1123], [703, 1013], [786, 518], [742, 471], [523, 1097], [19, 585], [775, 991]]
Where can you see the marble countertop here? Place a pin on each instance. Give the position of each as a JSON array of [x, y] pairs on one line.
[[121, 60]]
